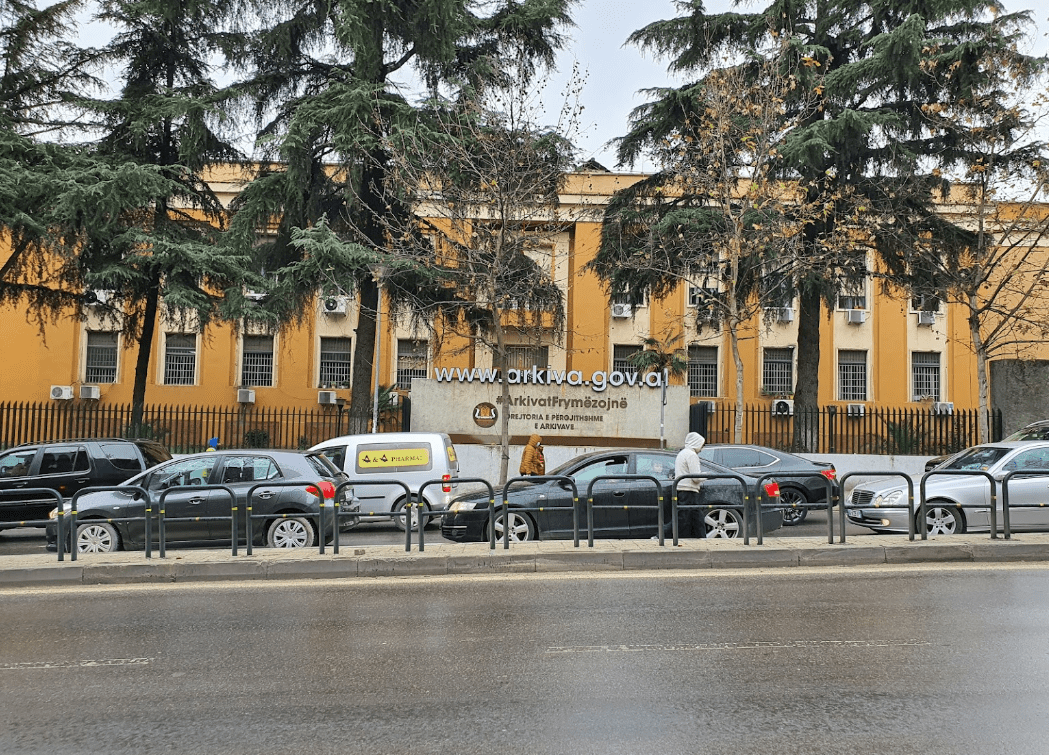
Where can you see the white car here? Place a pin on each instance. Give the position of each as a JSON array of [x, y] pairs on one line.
[[962, 503]]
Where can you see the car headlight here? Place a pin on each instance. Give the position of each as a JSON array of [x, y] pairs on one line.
[[53, 514], [888, 499], [463, 506]]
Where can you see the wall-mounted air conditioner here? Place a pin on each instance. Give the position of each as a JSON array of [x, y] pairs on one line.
[[327, 397], [61, 392], [621, 310], [856, 316], [90, 392], [245, 396], [335, 305], [785, 314], [926, 318], [855, 410], [96, 297], [782, 407], [943, 407], [254, 295]]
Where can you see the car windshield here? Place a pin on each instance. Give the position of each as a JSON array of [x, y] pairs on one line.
[[1032, 432], [979, 458]]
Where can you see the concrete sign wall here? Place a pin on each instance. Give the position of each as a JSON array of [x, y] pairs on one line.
[[603, 409]]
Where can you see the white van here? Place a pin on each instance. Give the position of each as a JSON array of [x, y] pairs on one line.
[[411, 458]]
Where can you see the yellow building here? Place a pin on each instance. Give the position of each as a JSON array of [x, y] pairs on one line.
[[877, 350]]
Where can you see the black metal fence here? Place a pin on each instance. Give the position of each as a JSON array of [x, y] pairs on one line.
[[183, 429], [886, 431]]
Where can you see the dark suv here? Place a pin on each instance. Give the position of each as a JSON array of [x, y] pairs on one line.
[[67, 466]]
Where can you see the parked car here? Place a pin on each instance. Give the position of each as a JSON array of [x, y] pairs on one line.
[[411, 458], [957, 504], [759, 460], [189, 510], [619, 505], [1035, 431], [67, 466]]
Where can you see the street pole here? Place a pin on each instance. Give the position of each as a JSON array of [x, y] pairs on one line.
[[663, 409], [378, 358]]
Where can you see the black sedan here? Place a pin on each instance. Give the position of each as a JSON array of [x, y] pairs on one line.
[[622, 508], [795, 487], [194, 515]]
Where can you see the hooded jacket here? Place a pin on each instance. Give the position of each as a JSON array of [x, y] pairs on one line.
[[532, 460], [687, 461]]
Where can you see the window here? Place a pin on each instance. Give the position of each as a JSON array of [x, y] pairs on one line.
[[257, 362], [621, 357], [101, 357], [63, 459], [703, 370], [777, 374], [852, 375], [524, 357], [925, 304], [411, 362], [925, 375], [853, 296], [180, 359], [335, 362]]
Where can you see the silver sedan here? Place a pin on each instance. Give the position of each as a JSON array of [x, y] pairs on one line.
[[962, 503]]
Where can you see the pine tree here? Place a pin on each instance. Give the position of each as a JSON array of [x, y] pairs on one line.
[[868, 137]]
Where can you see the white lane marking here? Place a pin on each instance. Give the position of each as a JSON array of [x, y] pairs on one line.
[[747, 645], [76, 664]]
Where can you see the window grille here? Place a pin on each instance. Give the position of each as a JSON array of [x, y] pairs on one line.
[[335, 361], [703, 370], [411, 362], [852, 375], [257, 362], [101, 357], [524, 357], [180, 359], [777, 375], [925, 374], [621, 358]]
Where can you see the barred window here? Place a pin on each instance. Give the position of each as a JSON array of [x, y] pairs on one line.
[[621, 354], [411, 362], [524, 357], [101, 357], [257, 362], [925, 374], [777, 372], [703, 370], [180, 359], [335, 361], [852, 375]]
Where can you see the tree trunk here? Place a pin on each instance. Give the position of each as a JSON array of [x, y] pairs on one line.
[[737, 429], [981, 369], [145, 352], [806, 387], [364, 357]]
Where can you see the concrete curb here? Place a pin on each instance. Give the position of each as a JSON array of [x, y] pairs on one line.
[[523, 558]]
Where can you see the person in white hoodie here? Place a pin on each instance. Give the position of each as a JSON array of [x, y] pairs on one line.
[[687, 463]]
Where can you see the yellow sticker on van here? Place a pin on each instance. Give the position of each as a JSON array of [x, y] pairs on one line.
[[451, 454], [393, 457]]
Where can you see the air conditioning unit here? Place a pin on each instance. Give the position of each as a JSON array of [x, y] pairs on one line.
[[785, 314], [327, 397], [335, 305], [855, 410], [95, 297], [90, 392], [943, 407], [245, 396], [254, 295], [856, 316], [926, 318], [782, 407], [62, 392], [621, 310]]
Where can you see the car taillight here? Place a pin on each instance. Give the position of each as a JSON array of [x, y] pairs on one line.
[[772, 489], [327, 490], [447, 488], [830, 474]]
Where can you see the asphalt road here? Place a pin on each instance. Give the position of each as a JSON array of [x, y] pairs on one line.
[[926, 660]]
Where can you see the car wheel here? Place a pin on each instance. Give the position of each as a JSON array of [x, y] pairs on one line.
[[293, 532], [723, 523], [97, 537], [791, 497], [942, 518], [521, 528], [399, 520]]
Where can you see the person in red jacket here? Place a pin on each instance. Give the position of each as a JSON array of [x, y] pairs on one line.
[[532, 460]]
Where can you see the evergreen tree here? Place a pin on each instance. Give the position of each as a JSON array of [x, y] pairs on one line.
[[867, 138], [321, 83]]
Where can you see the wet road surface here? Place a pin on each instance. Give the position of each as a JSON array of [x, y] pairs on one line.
[[893, 661]]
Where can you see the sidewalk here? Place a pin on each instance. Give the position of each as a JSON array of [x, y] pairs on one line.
[[440, 558]]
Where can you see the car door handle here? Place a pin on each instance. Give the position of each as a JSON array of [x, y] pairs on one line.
[[263, 494], [82, 480], [196, 501], [619, 493]]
